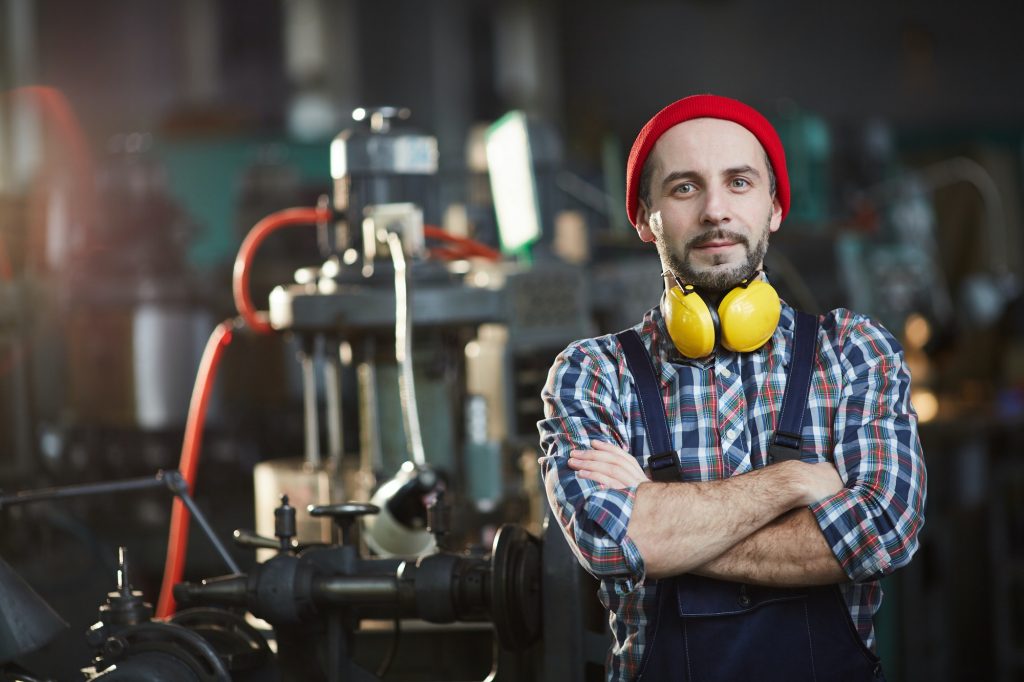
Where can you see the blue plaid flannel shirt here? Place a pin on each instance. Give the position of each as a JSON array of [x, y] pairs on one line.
[[722, 412]]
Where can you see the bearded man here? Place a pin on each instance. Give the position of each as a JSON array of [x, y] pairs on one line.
[[737, 474]]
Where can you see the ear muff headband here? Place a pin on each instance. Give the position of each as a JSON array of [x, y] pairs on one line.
[[746, 318]]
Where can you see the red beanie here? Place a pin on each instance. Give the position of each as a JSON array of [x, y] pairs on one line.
[[705, 106]]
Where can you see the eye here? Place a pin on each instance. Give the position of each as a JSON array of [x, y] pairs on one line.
[[740, 183], [683, 188]]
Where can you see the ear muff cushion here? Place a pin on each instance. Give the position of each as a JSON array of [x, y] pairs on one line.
[[749, 316], [689, 323]]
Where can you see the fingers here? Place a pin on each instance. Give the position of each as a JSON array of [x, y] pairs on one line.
[[608, 454], [604, 480], [604, 468], [603, 452], [607, 464], [602, 446], [610, 479]]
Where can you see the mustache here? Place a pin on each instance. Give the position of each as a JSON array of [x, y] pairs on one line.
[[716, 235]]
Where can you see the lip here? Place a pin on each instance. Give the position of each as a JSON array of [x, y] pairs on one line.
[[716, 245]]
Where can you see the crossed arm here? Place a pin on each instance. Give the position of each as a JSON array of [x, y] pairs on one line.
[[753, 528], [791, 523]]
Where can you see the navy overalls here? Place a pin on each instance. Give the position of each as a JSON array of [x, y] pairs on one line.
[[713, 630]]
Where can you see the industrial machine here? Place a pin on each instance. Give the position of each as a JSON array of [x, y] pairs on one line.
[[428, 537]]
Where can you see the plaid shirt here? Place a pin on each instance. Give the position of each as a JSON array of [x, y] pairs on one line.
[[722, 412]]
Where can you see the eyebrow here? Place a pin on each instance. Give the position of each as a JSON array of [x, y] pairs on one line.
[[681, 175], [743, 170], [694, 175]]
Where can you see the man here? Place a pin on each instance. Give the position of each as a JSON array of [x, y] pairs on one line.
[[743, 566]]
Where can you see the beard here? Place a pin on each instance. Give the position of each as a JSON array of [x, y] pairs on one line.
[[717, 277]]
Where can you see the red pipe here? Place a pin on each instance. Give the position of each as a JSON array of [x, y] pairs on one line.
[[256, 320], [177, 541]]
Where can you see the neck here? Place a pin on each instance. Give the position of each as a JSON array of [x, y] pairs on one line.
[[710, 297], [708, 294]]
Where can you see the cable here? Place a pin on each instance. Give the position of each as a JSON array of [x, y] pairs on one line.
[[403, 354], [468, 247], [290, 217], [177, 540]]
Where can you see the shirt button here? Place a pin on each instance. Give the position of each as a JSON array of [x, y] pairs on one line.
[[731, 434], [724, 371]]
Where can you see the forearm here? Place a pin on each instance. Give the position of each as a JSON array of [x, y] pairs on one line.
[[678, 527], [790, 551]]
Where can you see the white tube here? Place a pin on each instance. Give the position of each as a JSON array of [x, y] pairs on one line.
[[403, 354]]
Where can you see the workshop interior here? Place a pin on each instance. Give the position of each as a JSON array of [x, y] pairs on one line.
[[281, 282]]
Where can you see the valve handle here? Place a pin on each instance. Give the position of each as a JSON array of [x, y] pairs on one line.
[[344, 515]]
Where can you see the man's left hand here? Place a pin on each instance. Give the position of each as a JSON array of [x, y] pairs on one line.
[[608, 465]]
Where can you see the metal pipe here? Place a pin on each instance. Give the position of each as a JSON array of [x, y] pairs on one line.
[[371, 458], [172, 480], [225, 591], [353, 590], [180, 488], [309, 407], [64, 492], [332, 389]]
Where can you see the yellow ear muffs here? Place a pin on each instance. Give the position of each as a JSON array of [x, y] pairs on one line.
[[690, 322], [749, 315]]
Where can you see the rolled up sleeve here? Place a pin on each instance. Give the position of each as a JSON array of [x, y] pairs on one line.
[[581, 406], [873, 524]]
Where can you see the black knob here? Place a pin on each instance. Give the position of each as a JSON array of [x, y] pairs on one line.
[[344, 515], [284, 523]]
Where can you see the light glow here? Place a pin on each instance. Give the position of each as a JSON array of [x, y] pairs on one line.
[[926, 404], [916, 331]]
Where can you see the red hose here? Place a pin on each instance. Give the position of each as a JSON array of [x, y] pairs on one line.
[[177, 541], [468, 247], [256, 320]]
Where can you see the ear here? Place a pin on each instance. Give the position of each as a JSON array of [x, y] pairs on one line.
[[776, 221], [643, 222]]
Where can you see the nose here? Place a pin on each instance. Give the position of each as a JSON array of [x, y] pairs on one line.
[[716, 207]]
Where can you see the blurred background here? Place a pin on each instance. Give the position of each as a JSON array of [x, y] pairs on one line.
[[140, 141]]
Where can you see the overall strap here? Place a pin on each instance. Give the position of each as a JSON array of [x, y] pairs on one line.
[[786, 442], [663, 464]]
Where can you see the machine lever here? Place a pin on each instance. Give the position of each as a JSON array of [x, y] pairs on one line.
[[250, 540]]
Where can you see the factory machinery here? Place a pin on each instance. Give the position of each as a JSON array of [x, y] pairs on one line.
[[403, 562]]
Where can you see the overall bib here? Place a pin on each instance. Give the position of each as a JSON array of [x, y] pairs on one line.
[[710, 630]]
